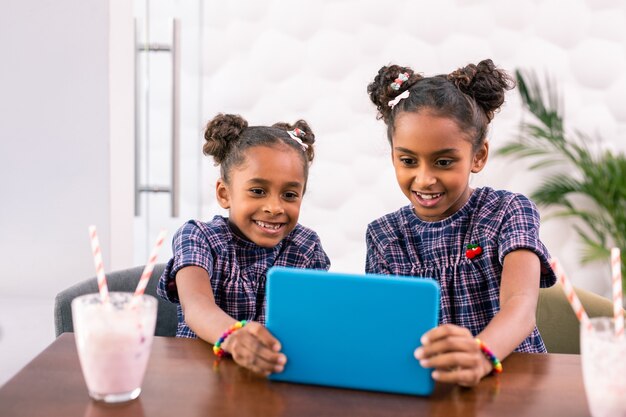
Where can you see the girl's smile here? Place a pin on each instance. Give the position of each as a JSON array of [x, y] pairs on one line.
[[270, 228], [427, 200]]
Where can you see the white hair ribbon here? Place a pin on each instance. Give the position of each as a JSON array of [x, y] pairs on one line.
[[295, 135], [399, 97]]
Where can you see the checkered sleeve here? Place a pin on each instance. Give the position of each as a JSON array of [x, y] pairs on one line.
[[191, 247], [319, 259], [520, 230], [305, 250], [375, 261]]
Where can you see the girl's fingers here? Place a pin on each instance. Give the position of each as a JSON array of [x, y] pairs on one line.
[[467, 377], [444, 331], [249, 351], [463, 368], [247, 358], [265, 346], [264, 336], [448, 344], [452, 360], [454, 354], [260, 355]]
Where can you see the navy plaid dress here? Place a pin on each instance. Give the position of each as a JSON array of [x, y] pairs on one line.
[[236, 266], [499, 221]]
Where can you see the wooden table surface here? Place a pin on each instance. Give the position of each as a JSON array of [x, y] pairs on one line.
[[183, 380]]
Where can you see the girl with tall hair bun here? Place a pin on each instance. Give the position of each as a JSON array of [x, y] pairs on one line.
[[482, 245]]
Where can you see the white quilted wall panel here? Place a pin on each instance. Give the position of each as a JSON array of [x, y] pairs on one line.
[[282, 60]]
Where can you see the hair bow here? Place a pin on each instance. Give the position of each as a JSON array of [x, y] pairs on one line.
[[397, 83], [399, 97], [297, 135]]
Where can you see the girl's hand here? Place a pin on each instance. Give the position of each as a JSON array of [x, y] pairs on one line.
[[454, 354], [254, 347]]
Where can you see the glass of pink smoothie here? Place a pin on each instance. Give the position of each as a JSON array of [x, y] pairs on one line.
[[113, 340], [603, 357]]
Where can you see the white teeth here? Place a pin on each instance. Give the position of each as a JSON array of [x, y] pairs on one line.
[[268, 225], [428, 196]]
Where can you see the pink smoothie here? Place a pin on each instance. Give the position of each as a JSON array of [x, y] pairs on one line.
[[113, 343], [604, 368]]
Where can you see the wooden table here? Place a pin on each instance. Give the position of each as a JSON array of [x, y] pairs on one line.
[[183, 380]]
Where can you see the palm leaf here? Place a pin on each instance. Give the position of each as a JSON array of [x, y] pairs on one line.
[[555, 189], [592, 250], [596, 180]]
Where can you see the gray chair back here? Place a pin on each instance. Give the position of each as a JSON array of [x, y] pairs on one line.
[[124, 280], [558, 325]]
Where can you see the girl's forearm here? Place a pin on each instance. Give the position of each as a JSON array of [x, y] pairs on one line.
[[510, 326], [205, 318], [202, 315], [519, 291]]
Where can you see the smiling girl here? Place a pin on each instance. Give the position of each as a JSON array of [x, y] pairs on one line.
[[218, 272], [481, 245]]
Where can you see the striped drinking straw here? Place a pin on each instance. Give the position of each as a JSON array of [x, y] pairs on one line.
[[97, 260], [147, 271], [570, 293], [616, 275]]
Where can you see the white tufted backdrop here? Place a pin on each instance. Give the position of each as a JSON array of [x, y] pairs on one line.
[[283, 60]]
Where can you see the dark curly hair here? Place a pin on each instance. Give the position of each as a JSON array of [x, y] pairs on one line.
[[470, 95], [227, 138]]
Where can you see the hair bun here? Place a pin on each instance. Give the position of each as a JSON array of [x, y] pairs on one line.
[[308, 137], [485, 83], [220, 134], [390, 82]]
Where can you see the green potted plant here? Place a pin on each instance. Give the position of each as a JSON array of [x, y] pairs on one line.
[[579, 183]]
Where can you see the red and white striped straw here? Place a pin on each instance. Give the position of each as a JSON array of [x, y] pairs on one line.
[[616, 275], [97, 260], [570, 293], [147, 271]]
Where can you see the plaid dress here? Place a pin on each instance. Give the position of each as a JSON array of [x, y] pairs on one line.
[[236, 266], [498, 221]]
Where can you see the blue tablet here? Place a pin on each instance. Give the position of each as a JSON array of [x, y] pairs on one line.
[[352, 330]]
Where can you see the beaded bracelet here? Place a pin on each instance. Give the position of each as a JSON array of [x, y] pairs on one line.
[[497, 366], [217, 347]]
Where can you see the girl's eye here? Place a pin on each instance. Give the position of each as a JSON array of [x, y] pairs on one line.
[[257, 191], [290, 195], [407, 161], [444, 162]]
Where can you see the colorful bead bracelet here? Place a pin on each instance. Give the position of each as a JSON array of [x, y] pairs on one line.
[[497, 366], [217, 347]]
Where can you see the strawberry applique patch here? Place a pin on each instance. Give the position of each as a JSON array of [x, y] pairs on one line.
[[473, 250]]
